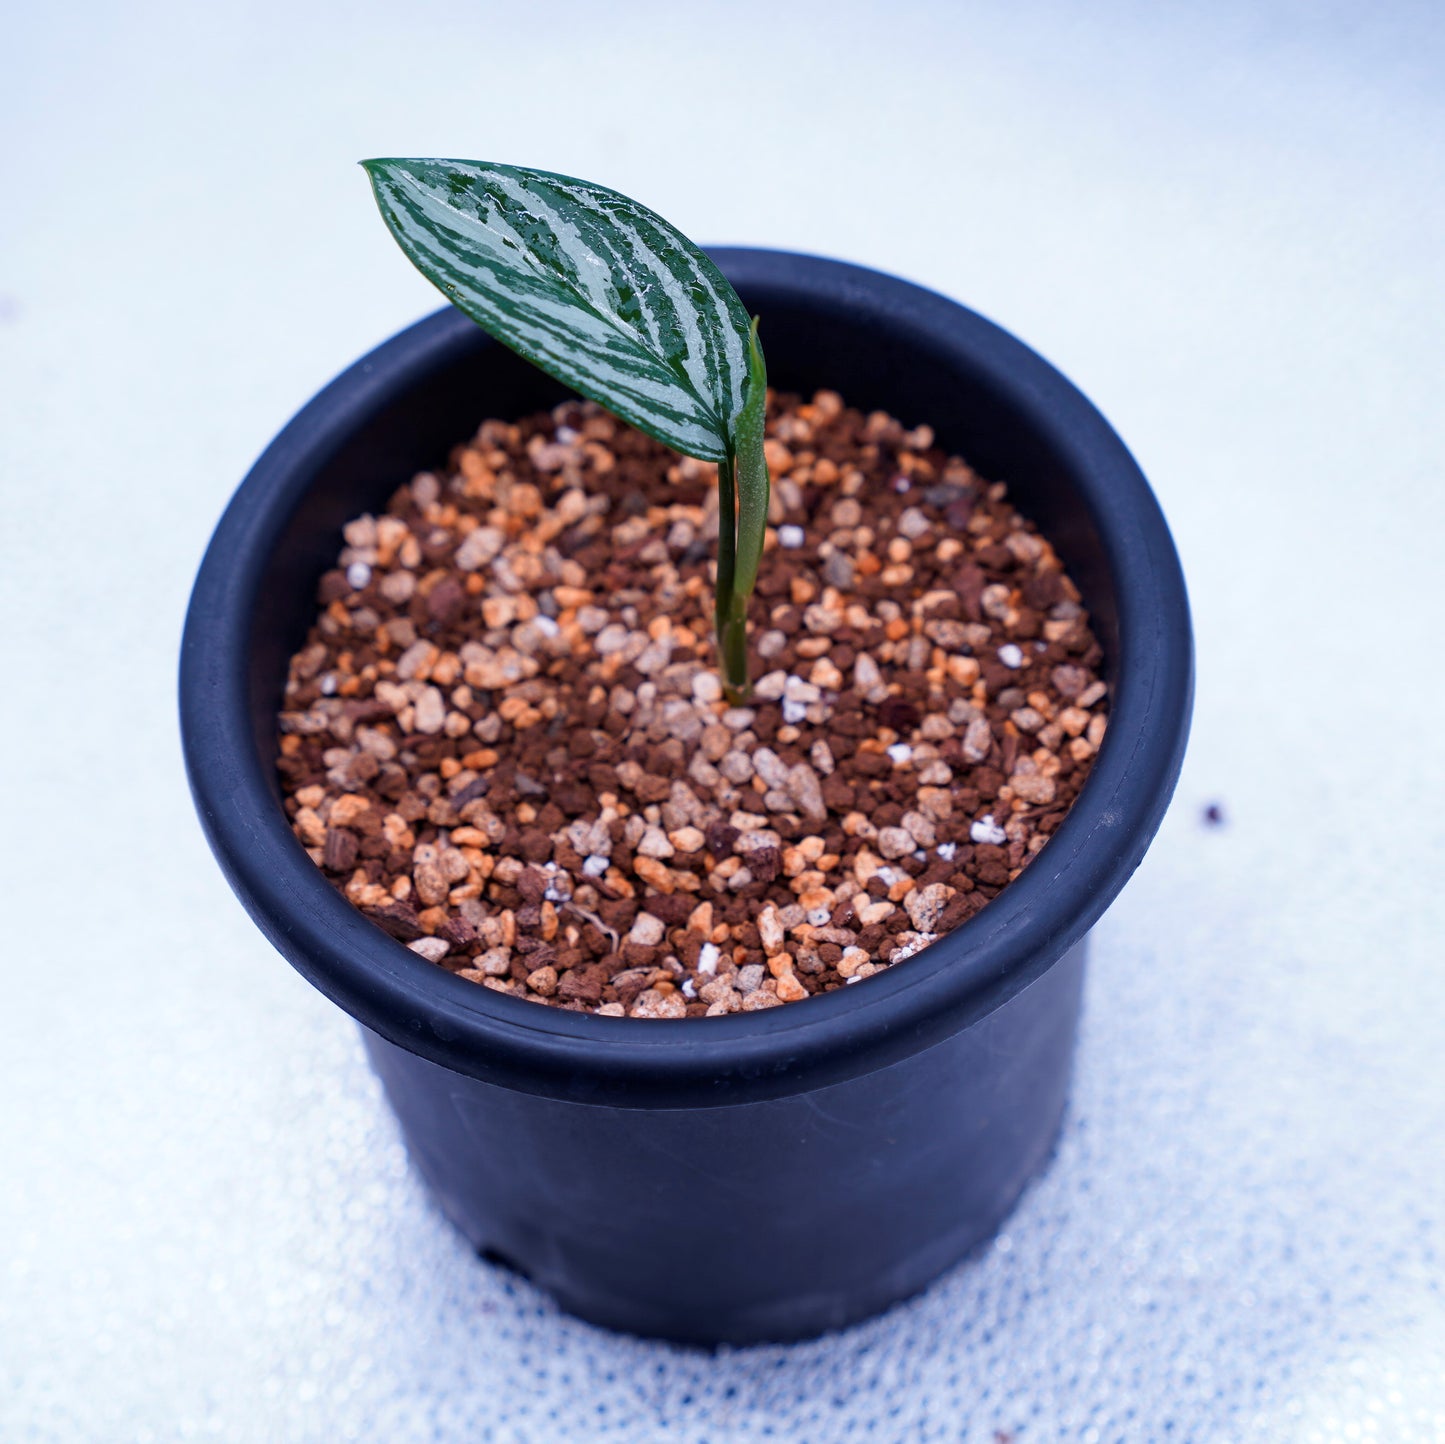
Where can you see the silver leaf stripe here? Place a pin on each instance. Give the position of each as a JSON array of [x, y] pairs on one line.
[[595, 289]]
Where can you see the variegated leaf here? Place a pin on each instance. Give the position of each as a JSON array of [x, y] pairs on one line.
[[593, 288]]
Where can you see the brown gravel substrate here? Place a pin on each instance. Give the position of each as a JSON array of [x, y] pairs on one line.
[[505, 740]]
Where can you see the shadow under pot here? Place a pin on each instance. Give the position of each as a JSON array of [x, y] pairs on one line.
[[765, 1175]]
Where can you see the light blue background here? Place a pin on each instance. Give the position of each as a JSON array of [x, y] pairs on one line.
[[1224, 222]]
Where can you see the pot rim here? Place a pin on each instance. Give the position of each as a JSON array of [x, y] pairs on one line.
[[743, 1057]]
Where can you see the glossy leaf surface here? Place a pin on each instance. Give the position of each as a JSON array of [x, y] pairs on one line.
[[592, 287]]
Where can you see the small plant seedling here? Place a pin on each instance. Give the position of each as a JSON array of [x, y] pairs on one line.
[[606, 296]]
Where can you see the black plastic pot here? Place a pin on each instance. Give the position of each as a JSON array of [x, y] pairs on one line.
[[766, 1175]]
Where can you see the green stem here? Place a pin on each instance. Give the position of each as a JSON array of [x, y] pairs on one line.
[[727, 537], [743, 490], [731, 635]]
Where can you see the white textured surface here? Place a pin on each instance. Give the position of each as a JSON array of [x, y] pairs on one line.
[[1225, 224]]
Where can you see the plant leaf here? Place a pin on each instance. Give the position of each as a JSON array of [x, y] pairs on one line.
[[593, 288]]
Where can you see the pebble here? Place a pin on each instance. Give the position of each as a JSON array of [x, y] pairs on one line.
[[840, 571], [805, 789], [358, 576], [1011, 656], [1033, 788], [758, 999], [1069, 680], [790, 990], [432, 949], [360, 531], [652, 1004], [654, 843], [925, 905], [479, 547], [612, 638], [912, 524], [653, 873], [749, 978], [706, 688], [977, 740], [431, 711], [415, 661], [770, 929], [737, 767], [771, 768], [720, 990], [495, 962], [648, 931], [543, 980], [791, 537], [595, 865]]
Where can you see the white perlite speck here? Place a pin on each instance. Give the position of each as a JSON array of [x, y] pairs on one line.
[[791, 537], [987, 830], [1011, 656], [948, 851], [595, 865], [793, 712], [707, 957], [900, 752], [358, 574]]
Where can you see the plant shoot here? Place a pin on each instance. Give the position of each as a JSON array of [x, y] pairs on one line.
[[606, 296]]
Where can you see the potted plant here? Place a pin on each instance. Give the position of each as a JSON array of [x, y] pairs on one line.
[[778, 1171]]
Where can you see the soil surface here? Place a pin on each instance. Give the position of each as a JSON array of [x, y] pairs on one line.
[[506, 743]]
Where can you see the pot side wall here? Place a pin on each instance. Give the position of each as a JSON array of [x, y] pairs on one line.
[[757, 1222]]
